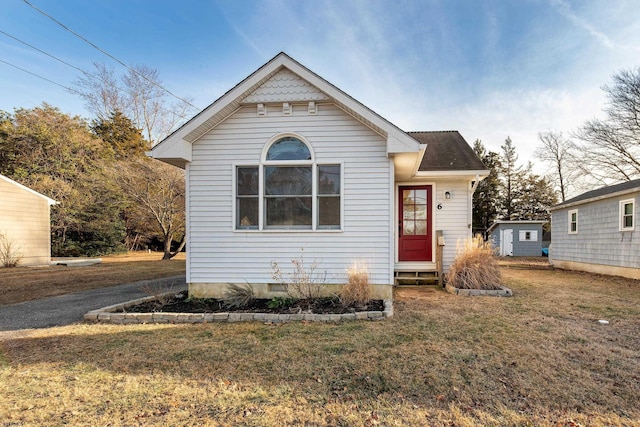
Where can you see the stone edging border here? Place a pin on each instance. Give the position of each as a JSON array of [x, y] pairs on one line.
[[108, 315], [502, 292]]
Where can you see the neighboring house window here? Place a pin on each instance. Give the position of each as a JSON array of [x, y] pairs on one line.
[[296, 192], [626, 215], [573, 221], [526, 236]]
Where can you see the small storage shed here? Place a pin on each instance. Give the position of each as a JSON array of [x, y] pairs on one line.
[[597, 231], [517, 238], [25, 222]]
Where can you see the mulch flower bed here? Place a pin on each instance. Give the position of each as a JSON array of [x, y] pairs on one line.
[[180, 303]]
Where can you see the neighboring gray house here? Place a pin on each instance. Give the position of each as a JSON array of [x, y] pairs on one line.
[[517, 238], [25, 222], [598, 231]]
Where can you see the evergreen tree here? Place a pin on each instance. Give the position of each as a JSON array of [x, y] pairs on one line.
[[510, 175], [56, 155], [534, 195], [487, 194], [118, 131]]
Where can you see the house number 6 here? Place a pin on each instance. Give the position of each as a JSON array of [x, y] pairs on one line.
[[439, 206]]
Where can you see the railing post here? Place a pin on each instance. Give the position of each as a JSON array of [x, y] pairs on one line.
[[439, 250]]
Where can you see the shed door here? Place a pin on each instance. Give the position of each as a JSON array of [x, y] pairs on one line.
[[415, 239], [506, 242]]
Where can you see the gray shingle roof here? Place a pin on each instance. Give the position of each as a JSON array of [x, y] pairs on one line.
[[600, 192], [446, 151]]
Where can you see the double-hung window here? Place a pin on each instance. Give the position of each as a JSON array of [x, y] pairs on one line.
[[573, 221], [626, 215], [288, 190]]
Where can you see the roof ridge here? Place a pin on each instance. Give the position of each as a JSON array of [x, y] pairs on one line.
[[431, 131]]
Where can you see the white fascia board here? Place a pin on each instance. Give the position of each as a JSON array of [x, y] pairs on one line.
[[480, 174], [49, 200], [175, 152], [523, 221]]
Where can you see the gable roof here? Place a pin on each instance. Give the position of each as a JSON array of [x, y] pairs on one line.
[[447, 151], [601, 193], [50, 201], [176, 148]]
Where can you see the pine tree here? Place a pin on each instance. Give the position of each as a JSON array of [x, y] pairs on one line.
[[486, 196]]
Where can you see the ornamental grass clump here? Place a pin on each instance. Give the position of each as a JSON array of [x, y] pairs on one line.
[[475, 266], [357, 291]]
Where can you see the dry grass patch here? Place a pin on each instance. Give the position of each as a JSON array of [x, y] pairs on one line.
[[539, 358], [357, 290], [475, 266], [25, 284]]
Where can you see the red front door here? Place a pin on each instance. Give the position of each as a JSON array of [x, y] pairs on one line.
[[414, 234]]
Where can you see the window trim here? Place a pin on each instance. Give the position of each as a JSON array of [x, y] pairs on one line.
[[261, 165], [570, 213], [621, 214]]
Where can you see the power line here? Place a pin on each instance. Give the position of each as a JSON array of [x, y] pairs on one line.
[[45, 53], [39, 76], [111, 56]]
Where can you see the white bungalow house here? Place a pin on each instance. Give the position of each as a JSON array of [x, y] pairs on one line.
[[598, 231], [25, 222], [286, 164]]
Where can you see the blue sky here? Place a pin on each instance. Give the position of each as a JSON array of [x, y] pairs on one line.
[[489, 69]]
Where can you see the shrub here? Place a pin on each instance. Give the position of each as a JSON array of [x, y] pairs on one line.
[[162, 293], [238, 296], [357, 291], [10, 255], [475, 266], [304, 282]]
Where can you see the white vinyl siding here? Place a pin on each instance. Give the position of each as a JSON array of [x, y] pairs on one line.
[[453, 218], [24, 220], [221, 254]]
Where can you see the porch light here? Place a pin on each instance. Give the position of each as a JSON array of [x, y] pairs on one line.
[[447, 195]]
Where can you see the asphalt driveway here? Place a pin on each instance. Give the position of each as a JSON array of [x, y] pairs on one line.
[[70, 308]]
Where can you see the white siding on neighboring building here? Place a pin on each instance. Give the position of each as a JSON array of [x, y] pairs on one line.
[[218, 254], [24, 220]]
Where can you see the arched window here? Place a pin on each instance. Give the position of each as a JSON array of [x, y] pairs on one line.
[[293, 191], [288, 148]]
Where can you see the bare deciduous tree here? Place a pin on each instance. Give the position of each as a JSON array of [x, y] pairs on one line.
[[558, 152], [610, 149], [157, 190], [138, 94]]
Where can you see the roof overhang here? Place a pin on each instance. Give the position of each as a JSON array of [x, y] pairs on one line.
[[49, 200], [524, 221], [477, 174], [176, 149], [595, 199]]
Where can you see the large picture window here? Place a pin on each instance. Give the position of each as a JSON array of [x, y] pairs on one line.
[[288, 190]]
